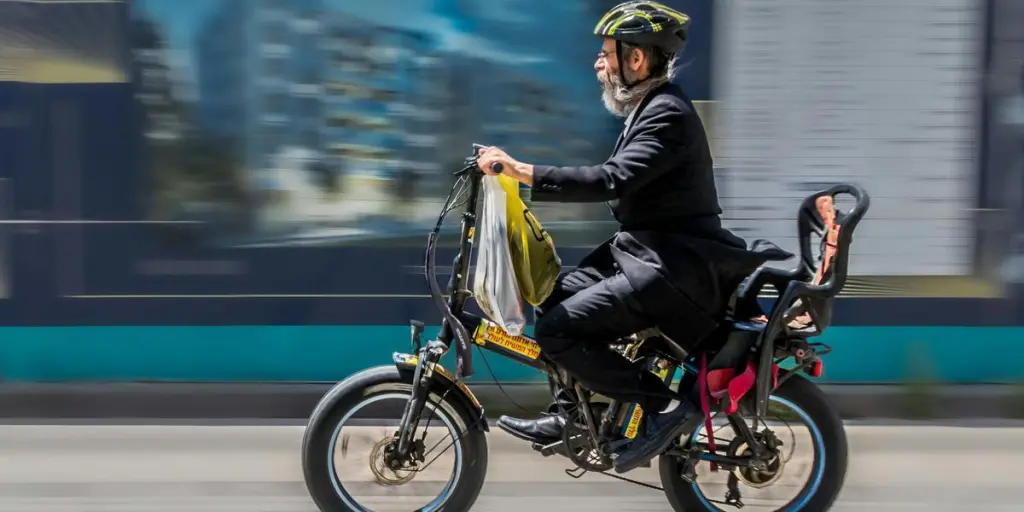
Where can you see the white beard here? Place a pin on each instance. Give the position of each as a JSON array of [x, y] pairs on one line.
[[620, 100]]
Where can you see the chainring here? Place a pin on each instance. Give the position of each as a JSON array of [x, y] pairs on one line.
[[580, 445]]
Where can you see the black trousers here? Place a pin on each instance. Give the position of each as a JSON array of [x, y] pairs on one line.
[[591, 308]]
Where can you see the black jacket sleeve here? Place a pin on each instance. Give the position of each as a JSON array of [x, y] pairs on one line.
[[654, 146]]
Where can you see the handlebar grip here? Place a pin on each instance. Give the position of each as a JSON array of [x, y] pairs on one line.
[[496, 166]]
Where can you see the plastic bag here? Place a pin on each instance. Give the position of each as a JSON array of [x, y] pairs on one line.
[[495, 286], [534, 259]]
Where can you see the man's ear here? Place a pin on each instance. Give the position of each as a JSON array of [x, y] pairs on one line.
[[636, 59]]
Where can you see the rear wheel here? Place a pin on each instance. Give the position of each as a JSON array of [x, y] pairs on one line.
[[341, 477], [796, 400]]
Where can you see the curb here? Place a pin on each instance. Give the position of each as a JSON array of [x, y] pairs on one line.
[[296, 400]]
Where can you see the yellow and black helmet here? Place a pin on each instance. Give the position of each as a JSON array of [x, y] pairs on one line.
[[645, 23]]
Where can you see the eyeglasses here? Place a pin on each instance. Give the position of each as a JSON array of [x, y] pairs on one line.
[[603, 54]]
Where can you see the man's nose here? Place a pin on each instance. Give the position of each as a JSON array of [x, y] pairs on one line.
[[599, 64]]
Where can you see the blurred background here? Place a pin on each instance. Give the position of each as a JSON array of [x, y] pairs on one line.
[[240, 190]]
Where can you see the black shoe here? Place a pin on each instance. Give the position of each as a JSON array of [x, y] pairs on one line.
[[659, 430], [544, 430]]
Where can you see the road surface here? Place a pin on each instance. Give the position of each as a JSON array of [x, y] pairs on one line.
[[256, 469]]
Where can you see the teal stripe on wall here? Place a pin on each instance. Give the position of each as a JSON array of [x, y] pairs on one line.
[[330, 353]]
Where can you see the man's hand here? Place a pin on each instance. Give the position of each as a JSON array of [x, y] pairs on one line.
[[492, 155], [510, 166]]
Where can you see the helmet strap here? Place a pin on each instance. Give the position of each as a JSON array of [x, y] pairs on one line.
[[622, 65]]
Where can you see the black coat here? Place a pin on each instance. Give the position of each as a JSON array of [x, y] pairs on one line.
[[659, 183]]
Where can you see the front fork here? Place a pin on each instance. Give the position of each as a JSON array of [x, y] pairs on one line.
[[428, 356]]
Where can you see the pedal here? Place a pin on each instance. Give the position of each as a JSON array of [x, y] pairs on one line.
[[547, 450], [612, 447]]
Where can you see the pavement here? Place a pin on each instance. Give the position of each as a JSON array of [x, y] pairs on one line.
[[255, 467]]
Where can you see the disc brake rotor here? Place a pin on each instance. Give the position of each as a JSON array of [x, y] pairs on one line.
[[382, 473]]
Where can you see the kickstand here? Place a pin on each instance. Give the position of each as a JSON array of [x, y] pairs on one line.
[[576, 472], [733, 497]]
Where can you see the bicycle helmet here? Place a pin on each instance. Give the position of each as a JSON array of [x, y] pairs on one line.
[[644, 23]]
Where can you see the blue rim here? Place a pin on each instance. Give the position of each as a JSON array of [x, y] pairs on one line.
[[434, 505], [808, 493]]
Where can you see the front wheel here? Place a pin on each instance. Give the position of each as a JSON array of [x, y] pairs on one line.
[[362, 412], [796, 400]]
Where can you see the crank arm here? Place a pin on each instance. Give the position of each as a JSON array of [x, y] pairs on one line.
[[547, 450]]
